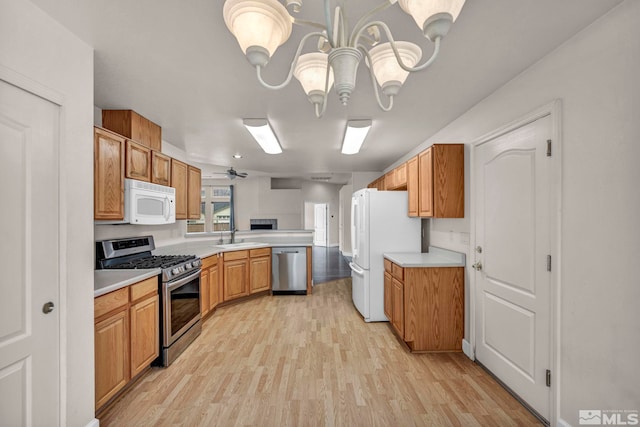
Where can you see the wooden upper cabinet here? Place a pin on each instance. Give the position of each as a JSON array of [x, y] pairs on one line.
[[194, 197], [108, 175], [412, 185], [425, 194], [160, 169], [134, 126], [179, 182], [400, 177], [441, 181], [389, 180], [138, 164]]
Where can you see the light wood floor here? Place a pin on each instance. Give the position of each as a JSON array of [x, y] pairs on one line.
[[312, 361]]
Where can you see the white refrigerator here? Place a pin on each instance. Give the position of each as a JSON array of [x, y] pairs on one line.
[[379, 224]]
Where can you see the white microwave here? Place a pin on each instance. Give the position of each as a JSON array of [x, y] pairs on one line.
[[147, 204]]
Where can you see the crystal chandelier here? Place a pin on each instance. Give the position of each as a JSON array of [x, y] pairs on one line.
[[260, 26]]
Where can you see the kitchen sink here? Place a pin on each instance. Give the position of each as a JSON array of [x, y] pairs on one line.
[[241, 245]]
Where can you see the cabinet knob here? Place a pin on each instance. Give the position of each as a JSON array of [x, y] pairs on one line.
[[477, 266]]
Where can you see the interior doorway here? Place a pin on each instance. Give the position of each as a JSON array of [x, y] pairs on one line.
[[321, 224], [513, 241]]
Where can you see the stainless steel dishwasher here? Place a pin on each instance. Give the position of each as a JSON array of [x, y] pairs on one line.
[[289, 270]]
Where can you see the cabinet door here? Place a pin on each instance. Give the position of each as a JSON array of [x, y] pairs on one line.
[[111, 341], [389, 180], [236, 275], [412, 186], [138, 162], [260, 274], [448, 180], [179, 182], [145, 333], [398, 306], [194, 197], [160, 169], [204, 292], [425, 173], [108, 175], [214, 287], [400, 176], [388, 296]]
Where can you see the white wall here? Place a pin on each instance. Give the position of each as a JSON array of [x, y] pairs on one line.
[[595, 75], [254, 198], [39, 48], [360, 180]]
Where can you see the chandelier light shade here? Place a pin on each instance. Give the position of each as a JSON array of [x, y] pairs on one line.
[[262, 23], [428, 12], [311, 72], [260, 26], [389, 74]]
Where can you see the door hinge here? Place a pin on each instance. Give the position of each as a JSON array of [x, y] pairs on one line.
[[548, 378], [548, 262], [548, 148]]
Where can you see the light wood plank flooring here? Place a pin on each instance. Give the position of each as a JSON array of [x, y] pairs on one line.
[[312, 361]]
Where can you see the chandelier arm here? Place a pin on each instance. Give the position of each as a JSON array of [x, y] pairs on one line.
[[375, 83], [362, 21], [387, 31], [327, 18], [301, 22], [293, 64], [321, 109]]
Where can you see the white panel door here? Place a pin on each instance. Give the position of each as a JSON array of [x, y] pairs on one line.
[[512, 286], [320, 225], [29, 338]]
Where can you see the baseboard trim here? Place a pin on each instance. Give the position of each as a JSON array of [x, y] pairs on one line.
[[467, 350], [562, 423], [93, 423]]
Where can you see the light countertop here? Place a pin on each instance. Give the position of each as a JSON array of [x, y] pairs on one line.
[[106, 281], [436, 257]]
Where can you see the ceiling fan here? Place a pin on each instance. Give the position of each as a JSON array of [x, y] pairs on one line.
[[231, 173]]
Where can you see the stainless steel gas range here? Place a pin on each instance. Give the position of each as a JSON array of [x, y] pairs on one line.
[[179, 288]]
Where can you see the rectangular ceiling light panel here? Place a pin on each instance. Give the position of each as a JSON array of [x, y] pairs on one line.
[[263, 134], [355, 135]]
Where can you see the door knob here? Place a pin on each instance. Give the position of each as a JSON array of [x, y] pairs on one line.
[[47, 307], [477, 266]]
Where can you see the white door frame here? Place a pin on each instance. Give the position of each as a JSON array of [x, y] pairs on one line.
[[25, 83], [554, 110]]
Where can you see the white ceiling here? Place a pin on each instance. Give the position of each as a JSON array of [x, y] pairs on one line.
[[177, 64]]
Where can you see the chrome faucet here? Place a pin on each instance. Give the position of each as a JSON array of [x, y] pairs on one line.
[[233, 235]]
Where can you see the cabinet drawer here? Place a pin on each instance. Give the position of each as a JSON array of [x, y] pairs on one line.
[[387, 266], [111, 301], [397, 272], [254, 253], [230, 256], [209, 261], [144, 288]]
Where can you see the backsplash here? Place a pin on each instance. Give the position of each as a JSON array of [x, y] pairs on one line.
[[163, 234]]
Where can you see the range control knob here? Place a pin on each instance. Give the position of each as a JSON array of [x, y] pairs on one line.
[[188, 266], [175, 271]]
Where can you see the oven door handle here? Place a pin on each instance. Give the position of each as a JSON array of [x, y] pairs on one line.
[[173, 285]]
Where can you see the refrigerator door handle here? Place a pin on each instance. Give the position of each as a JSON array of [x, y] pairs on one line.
[[354, 227], [356, 269]]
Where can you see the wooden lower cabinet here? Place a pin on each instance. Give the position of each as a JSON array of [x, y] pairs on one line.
[[126, 336], [111, 337], [260, 270], [145, 337], [426, 307], [235, 275], [209, 285]]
